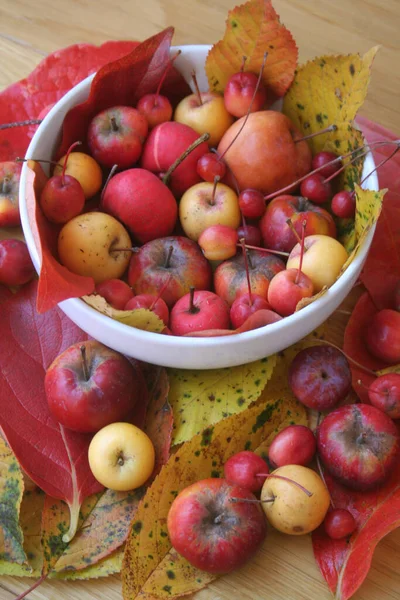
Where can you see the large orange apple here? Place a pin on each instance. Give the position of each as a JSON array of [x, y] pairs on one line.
[[265, 156]]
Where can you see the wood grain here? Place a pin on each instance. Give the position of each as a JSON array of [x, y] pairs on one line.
[[285, 568]]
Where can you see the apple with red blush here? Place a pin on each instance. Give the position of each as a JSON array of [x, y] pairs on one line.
[[382, 336], [89, 386], [358, 445], [164, 145], [10, 173], [116, 292], [116, 135], [218, 242], [211, 530], [150, 302], [267, 156], [244, 94], [230, 279], [294, 445], [142, 203], [246, 469], [251, 234], [173, 258], [199, 311], [276, 232], [384, 394]]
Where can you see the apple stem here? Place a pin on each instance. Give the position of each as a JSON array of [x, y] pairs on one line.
[[216, 182], [114, 125], [168, 259], [32, 587], [110, 175], [18, 159], [244, 58], [303, 237], [268, 475], [6, 186], [246, 266], [250, 107], [84, 363], [72, 146], [357, 364], [169, 65], [290, 224], [192, 308], [321, 474], [20, 123], [315, 134], [255, 501], [196, 85], [203, 138], [161, 291], [358, 152], [249, 247]]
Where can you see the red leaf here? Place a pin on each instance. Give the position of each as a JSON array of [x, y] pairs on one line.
[[56, 283], [51, 79], [354, 346], [345, 563], [55, 458], [384, 255], [123, 82]]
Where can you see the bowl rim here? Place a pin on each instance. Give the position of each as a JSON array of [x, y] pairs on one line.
[[166, 341]]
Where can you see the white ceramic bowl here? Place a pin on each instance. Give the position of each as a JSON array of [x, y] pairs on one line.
[[181, 352]]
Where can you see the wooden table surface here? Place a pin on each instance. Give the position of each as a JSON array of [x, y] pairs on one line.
[[285, 568]]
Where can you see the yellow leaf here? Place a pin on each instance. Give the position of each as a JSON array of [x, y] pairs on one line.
[[11, 491], [30, 519], [107, 566], [203, 456], [391, 369], [141, 318], [252, 29], [202, 398]]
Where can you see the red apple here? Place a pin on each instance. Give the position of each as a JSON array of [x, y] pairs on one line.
[[286, 290], [164, 145], [239, 94], [10, 173], [176, 257], [246, 469], [384, 393], [265, 156], [16, 266], [199, 311], [230, 279], [89, 386], [142, 203], [213, 533], [116, 135], [359, 445], [244, 306], [116, 292], [62, 198], [294, 445], [277, 234], [150, 302], [251, 234], [383, 336], [156, 108]]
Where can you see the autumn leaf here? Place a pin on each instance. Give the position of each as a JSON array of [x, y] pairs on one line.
[[11, 490], [107, 566], [252, 29], [54, 457], [159, 418], [203, 456], [200, 399], [345, 563], [141, 318], [384, 254]]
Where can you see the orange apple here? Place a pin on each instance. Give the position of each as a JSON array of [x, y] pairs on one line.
[[201, 206], [85, 169], [208, 116]]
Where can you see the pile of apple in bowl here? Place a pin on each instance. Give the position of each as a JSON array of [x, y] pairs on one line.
[[228, 230]]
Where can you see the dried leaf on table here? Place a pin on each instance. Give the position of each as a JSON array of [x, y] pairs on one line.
[[123, 82], [252, 29], [203, 456], [32, 97], [55, 458], [200, 399], [384, 254], [105, 567], [345, 563], [11, 490], [141, 318]]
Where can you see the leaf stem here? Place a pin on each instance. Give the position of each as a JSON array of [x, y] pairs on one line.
[[20, 123], [33, 587]]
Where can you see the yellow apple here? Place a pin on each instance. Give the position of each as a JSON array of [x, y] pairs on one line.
[[85, 169], [121, 457], [200, 208], [323, 258], [85, 246], [210, 116], [291, 509]]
